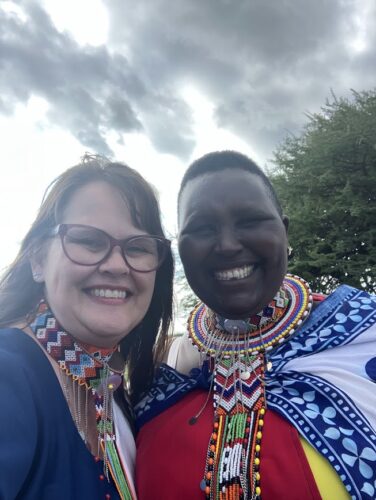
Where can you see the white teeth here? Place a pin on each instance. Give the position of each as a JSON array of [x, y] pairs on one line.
[[109, 294], [234, 274]]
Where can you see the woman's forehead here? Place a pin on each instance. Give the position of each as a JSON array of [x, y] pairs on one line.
[[225, 189]]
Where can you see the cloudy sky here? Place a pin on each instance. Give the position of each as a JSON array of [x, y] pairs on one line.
[[156, 83]]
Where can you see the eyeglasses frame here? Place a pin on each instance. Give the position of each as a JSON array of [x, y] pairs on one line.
[[62, 229]]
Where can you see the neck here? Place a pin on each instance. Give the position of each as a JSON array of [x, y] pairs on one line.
[[271, 313]]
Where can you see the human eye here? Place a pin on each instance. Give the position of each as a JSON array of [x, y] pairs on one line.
[[252, 221], [91, 240], [249, 222], [141, 246], [200, 230]]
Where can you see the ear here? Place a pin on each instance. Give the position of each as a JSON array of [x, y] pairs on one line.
[[285, 221], [37, 268]]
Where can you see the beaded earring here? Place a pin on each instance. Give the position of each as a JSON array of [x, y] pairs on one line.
[[37, 277]]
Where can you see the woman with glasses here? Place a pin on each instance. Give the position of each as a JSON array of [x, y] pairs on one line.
[[81, 308]]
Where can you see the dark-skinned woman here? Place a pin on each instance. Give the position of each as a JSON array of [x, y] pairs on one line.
[[271, 393], [86, 297]]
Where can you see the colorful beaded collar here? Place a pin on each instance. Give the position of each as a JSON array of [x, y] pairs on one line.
[[278, 320], [83, 363]]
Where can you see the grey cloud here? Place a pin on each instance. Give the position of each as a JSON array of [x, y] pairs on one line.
[[90, 90], [262, 64]]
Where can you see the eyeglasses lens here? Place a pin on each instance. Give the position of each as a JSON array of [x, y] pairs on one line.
[[88, 246]]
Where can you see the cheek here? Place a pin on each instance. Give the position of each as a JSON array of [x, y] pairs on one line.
[[146, 284], [274, 243], [64, 277], [192, 252]]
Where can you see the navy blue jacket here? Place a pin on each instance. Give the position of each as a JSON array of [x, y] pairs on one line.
[[42, 455]]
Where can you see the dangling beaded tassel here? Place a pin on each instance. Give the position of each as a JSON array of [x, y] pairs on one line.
[[103, 396], [233, 455]]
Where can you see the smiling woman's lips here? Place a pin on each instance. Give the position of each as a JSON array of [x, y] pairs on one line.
[[108, 292], [235, 273]]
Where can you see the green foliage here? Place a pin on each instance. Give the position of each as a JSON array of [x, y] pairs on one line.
[[326, 181], [186, 298]]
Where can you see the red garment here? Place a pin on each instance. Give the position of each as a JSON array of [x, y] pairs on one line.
[[171, 455]]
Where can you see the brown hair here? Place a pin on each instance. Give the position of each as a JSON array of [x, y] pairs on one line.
[[20, 294]]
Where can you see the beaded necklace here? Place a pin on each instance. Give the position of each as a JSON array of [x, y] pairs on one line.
[[237, 354], [86, 367]]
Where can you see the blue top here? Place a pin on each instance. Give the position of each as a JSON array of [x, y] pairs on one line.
[[42, 455]]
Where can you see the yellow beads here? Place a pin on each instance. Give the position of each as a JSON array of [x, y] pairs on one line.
[[258, 490]]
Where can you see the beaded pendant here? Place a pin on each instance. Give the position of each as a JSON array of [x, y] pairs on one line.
[[237, 356], [233, 456]]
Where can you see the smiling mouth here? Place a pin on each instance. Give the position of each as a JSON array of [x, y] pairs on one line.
[[237, 273], [108, 293]]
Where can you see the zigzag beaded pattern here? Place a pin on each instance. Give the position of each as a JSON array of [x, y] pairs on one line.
[[228, 395], [72, 359]]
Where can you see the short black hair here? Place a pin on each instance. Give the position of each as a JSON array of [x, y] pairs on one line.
[[222, 160]]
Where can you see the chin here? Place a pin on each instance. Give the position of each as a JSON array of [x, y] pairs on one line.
[[108, 341], [105, 334], [235, 312], [236, 308]]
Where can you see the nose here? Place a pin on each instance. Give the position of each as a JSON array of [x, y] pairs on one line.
[[115, 263], [228, 242]]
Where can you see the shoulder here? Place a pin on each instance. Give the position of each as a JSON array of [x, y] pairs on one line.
[[19, 350], [183, 355], [18, 416], [25, 372], [20, 357], [344, 298], [15, 343]]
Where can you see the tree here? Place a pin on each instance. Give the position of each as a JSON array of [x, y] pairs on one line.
[[326, 181], [185, 299]]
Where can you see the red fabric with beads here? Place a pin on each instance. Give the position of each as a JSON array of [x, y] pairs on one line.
[[171, 455]]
